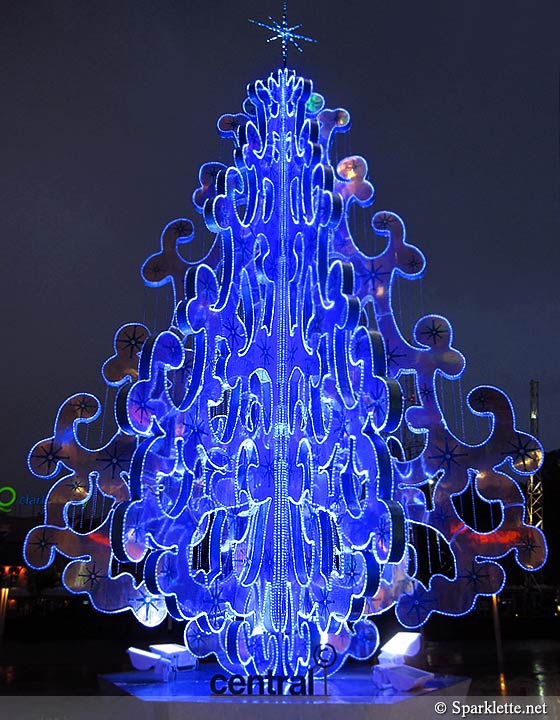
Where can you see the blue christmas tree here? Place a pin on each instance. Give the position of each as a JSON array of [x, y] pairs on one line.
[[257, 487]]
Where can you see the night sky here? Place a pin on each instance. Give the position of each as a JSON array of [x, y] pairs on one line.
[[109, 109]]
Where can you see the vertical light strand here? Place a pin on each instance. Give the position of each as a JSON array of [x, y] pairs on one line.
[[3, 607], [104, 410], [473, 500], [281, 518], [461, 406], [455, 412]]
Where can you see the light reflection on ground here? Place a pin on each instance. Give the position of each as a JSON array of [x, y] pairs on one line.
[[531, 667]]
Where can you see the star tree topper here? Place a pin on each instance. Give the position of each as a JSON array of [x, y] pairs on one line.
[[284, 33]]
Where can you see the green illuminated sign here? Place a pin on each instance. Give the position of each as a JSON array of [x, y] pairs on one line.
[[9, 492]]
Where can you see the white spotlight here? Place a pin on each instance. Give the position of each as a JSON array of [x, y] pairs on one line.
[[392, 672]]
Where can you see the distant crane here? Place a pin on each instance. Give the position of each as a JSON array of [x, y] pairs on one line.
[[531, 599], [534, 486]]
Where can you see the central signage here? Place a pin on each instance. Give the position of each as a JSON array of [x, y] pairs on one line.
[[324, 655], [268, 684]]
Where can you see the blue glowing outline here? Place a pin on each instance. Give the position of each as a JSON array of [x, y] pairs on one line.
[[262, 482]]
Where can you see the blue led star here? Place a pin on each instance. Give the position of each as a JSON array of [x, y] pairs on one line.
[[384, 221], [235, 523], [292, 352], [414, 264], [351, 569], [140, 402], [268, 562], [479, 401], [268, 470], [196, 639], [233, 333], [92, 576], [378, 405], [323, 604], [255, 646], [337, 505], [283, 32], [181, 229], [44, 543], [523, 450], [426, 391], [292, 465], [392, 356], [366, 640], [113, 460], [244, 247], [181, 376], [316, 324], [172, 351], [133, 341], [194, 428], [434, 332], [145, 601], [373, 274], [418, 604], [216, 602], [50, 456], [528, 545], [360, 345], [135, 524], [167, 570], [265, 352], [205, 285], [83, 405], [342, 423], [76, 485], [383, 531], [155, 269], [474, 575], [447, 455]]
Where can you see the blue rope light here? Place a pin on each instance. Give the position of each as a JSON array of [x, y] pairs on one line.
[[257, 487]]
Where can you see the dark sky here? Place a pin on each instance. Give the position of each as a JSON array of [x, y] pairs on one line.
[[109, 108]]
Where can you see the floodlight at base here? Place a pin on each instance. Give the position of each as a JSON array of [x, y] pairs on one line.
[[180, 657], [144, 660], [392, 672], [402, 645], [402, 678]]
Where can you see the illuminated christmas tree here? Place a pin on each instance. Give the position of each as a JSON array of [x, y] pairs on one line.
[[258, 486]]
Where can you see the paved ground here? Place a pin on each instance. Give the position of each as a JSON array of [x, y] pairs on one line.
[[531, 667], [62, 654]]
